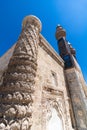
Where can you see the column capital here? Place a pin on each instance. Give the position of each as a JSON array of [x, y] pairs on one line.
[[31, 19]]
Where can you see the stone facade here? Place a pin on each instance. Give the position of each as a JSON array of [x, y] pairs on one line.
[[35, 87]]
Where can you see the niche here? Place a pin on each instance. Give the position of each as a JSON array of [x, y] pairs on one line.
[[54, 78], [55, 122]]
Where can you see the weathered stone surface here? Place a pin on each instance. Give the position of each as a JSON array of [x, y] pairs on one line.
[[19, 79], [50, 92], [35, 90], [77, 97]]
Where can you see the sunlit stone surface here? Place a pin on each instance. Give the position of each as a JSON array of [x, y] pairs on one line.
[[36, 91], [55, 122]]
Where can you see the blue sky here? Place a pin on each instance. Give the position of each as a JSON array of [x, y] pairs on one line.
[[71, 14]]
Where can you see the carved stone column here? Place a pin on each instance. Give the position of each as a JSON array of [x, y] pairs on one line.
[[18, 83]]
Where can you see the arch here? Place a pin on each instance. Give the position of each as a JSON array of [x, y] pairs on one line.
[[55, 122]]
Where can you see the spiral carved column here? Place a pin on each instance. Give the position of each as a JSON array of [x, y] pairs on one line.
[[18, 84]]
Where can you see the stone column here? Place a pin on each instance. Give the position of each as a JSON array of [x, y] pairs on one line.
[[19, 81]]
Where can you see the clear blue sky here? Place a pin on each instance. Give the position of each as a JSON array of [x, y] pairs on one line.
[[71, 14]]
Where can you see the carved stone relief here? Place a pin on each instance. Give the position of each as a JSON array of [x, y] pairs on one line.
[[18, 83], [54, 121], [55, 102], [52, 101]]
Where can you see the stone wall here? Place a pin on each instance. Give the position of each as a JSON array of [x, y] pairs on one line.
[[4, 60], [77, 98], [50, 90], [34, 86]]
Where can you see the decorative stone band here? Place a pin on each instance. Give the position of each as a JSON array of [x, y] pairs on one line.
[[18, 83]]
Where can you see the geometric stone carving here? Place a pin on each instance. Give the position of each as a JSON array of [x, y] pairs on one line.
[[54, 105], [18, 83]]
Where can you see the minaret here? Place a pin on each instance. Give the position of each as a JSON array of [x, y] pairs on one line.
[[19, 80], [64, 47], [75, 82]]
